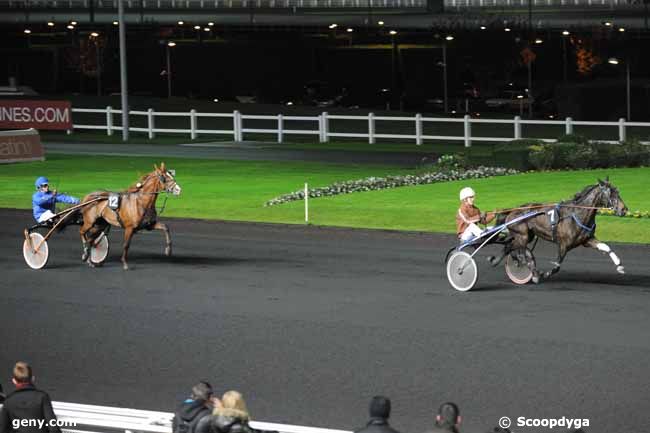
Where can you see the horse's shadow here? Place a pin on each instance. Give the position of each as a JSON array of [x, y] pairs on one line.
[[584, 282], [503, 287], [181, 259]]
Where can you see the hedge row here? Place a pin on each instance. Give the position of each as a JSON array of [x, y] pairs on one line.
[[571, 152]]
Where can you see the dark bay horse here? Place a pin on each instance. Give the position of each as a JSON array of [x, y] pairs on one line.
[[135, 209], [568, 224]]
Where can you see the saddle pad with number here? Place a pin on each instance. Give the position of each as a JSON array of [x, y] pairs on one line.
[[114, 201]]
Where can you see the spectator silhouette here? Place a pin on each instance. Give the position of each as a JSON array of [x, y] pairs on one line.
[[27, 403], [379, 413], [194, 409], [447, 420], [231, 416]]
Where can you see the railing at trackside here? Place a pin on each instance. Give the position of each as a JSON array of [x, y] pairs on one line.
[[216, 4], [108, 419], [607, 4], [324, 131], [307, 4]]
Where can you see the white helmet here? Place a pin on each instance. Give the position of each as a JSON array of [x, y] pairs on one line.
[[466, 192]]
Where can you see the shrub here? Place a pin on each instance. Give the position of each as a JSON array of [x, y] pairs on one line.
[[573, 138], [574, 155], [541, 157], [571, 151], [633, 153], [523, 144], [515, 154], [444, 163], [602, 155], [454, 161]]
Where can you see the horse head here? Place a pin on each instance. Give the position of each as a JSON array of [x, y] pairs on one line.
[[610, 197], [167, 179]]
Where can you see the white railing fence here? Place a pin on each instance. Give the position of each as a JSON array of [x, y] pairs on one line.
[[107, 419], [395, 4], [325, 132], [216, 4]]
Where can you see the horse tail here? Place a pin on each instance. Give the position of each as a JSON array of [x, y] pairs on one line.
[[95, 195]]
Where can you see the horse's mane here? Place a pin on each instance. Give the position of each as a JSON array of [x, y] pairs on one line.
[[134, 186], [582, 194]]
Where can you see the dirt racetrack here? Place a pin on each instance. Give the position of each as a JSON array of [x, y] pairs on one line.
[[310, 322]]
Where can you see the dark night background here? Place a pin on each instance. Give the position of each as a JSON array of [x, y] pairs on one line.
[[274, 64]]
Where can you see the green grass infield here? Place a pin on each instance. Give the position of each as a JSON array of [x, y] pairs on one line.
[[237, 190]]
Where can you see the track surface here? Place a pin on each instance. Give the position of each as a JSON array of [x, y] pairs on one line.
[[248, 151], [309, 323]]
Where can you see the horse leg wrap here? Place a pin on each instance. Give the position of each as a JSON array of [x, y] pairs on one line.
[[536, 277], [607, 250], [86, 253]]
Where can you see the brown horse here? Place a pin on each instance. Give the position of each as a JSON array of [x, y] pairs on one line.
[[133, 210], [568, 224]]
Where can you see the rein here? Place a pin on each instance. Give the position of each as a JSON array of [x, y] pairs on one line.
[[164, 190], [576, 206]]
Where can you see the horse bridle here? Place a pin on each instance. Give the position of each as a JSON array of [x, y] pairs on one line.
[[163, 180], [607, 189]]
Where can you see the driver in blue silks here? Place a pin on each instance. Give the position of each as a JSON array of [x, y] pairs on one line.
[[44, 200]]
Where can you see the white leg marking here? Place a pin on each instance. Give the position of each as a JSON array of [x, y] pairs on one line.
[[612, 255], [603, 247]]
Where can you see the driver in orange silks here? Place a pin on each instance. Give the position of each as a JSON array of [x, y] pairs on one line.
[[469, 216]]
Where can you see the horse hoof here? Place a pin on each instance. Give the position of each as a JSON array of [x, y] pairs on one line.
[[84, 257], [620, 269], [125, 267], [168, 251], [536, 279]]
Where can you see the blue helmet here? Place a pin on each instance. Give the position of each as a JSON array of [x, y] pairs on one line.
[[41, 181]]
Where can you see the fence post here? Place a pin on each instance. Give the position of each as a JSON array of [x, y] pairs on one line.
[[568, 130], [320, 129], [236, 118], [150, 124], [193, 123], [467, 130], [622, 136], [306, 203], [326, 127], [517, 128], [280, 128], [371, 128], [109, 120], [418, 129]]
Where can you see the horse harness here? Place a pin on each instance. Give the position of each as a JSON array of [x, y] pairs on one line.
[[115, 200], [554, 215]]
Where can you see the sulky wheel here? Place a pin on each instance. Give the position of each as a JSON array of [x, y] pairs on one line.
[[520, 272], [99, 249], [36, 251], [462, 271]]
